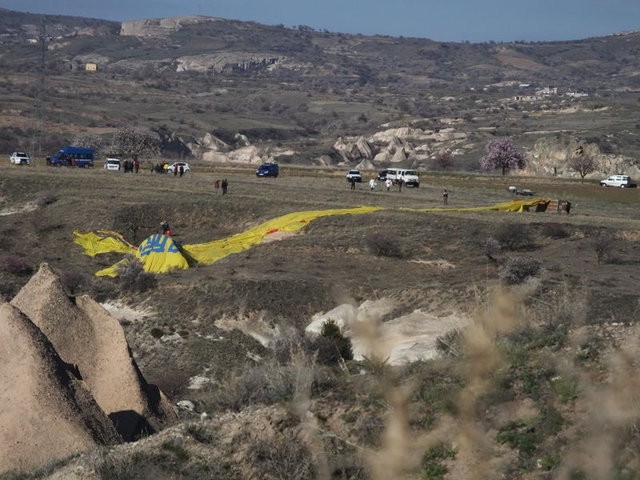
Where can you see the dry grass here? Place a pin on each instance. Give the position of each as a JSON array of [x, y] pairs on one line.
[[442, 416]]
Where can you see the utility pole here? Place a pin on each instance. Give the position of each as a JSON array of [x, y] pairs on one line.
[[36, 146]]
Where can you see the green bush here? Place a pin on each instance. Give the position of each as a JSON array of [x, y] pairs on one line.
[[332, 346], [433, 464]]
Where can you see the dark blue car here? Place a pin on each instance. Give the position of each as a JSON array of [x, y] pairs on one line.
[[267, 170]]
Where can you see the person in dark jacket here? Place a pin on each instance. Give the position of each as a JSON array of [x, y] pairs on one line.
[[166, 229]]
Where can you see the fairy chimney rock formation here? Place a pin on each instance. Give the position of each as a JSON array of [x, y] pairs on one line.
[[85, 335], [46, 412]]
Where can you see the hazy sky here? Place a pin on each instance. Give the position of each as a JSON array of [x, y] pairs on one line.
[[444, 20]]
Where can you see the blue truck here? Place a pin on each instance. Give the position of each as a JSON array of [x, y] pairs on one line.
[[267, 170], [72, 157]]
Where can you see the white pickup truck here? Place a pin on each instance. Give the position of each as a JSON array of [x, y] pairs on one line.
[[622, 181]]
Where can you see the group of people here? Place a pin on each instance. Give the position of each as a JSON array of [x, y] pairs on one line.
[[224, 184], [388, 183], [160, 167], [178, 170], [132, 166]]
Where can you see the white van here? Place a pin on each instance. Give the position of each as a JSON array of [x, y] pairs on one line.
[[622, 181], [410, 178]]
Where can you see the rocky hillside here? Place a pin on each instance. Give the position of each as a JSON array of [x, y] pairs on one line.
[[296, 95]]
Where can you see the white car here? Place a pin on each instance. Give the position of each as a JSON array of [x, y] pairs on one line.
[[354, 176], [20, 158], [176, 167], [112, 164]]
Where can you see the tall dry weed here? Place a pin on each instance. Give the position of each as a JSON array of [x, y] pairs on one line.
[[499, 316], [305, 368], [611, 419]]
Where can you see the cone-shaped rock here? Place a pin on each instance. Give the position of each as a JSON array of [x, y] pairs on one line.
[[85, 335], [46, 411]]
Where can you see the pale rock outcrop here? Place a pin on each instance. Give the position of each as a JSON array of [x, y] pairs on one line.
[[397, 341], [397, 143], [403, 133], [399, 156], [212, 142], [343, 148], [46, 411], [365, 164], [552, 155], [161, 27], [241, 140], [85, 335], [213, 156], [226, 62], [249, 154], [210, 148], [353, 149], [384, 156], [364, 148], [615, 164]]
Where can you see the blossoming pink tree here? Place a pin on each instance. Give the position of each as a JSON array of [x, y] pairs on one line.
[[502, 154]]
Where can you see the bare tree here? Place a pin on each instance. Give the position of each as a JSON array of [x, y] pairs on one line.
[[88, 140], [443, 160], [583, 162], [134, 142]]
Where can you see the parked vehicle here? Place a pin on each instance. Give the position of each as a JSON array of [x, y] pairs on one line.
[[176, 166], [267, 170], [354, 176], [112, 164], [72, 157], [622, 181], [20, 158], [410, 178]]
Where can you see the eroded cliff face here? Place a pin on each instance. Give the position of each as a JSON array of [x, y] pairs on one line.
[[161, 27], [552, 155]]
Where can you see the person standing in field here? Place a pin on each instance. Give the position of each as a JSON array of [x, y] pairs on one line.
[[372, 184], [225, 186], [445, 196], [166, 229], [388, 182]]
